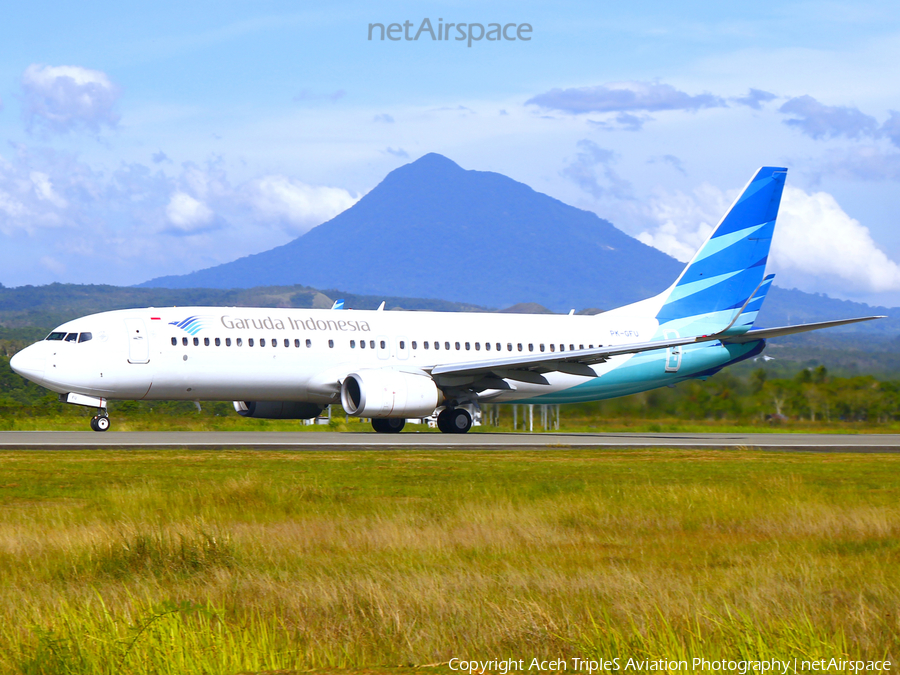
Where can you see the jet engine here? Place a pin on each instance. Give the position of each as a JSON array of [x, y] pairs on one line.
[[278, 410], [389, 393]]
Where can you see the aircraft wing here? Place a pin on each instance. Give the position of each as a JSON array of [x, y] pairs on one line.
[[763, 333], [576, 362]]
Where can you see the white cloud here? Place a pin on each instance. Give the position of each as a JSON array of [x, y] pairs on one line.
[[187, 213], [623, 97], [64, 98], [53, 264], [815, 237], [685, 220], [43, 188], [817, 246], [300, 205]]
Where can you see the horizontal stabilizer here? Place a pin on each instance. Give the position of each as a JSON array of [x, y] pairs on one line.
[[763, 333]]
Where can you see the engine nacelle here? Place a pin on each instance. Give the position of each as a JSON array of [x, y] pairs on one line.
[[278, 410], [389, 393]]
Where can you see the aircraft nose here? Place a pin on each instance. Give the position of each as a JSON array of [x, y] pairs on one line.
[[29, 364]]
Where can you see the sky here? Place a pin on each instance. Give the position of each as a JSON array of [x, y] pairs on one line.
[[146, 139]]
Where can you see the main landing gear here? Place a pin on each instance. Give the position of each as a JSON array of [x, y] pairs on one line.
[[388, 425], [449, 421], [100, 422], [454, 421]]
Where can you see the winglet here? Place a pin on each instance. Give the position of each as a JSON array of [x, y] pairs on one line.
[[338, 304]]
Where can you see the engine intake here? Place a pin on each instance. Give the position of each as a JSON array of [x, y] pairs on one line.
[[388, 393], [278, 410]]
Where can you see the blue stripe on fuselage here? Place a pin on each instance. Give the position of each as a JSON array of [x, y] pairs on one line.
[[646, 371]]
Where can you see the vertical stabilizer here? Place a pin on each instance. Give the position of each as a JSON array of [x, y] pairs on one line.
[[729, 268]]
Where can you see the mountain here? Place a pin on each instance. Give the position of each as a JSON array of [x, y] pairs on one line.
[[432, 229]]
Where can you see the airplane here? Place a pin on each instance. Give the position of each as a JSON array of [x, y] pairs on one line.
[[390, 366]]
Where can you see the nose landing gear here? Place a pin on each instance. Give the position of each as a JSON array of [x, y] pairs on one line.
[[100, 422]]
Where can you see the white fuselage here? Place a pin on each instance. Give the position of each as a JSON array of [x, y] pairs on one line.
[[304, 354]]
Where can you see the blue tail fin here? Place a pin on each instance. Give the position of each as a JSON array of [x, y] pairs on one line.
[[718, 283]]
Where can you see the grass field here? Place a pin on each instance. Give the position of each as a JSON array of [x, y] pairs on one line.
[[226, 562]]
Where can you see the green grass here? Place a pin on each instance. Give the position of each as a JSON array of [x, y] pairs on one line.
[[226, 562]]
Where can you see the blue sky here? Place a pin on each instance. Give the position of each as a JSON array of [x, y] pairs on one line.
[[166, 137]]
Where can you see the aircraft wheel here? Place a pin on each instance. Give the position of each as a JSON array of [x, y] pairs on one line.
[[99, 423], [460, 421], [389, 425], [443, 421], [454, 421]]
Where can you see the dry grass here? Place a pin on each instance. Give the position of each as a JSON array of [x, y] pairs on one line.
[[230, 561]]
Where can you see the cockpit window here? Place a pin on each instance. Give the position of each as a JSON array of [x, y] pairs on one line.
[[72, 337], [56, 336], [84, 337]]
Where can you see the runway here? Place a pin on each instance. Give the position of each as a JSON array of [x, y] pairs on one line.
[[234, 440]]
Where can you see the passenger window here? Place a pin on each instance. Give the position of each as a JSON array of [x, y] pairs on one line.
[[352, 344], [309, 343], [425, 344], [437, 345], [530, 347], [196, 342], [239, 342], [371, 344], [249, 342], [414, 344], [331, 344], [402, 344], [227, 342], [262, 342], [206, 342], [56, 336], [184, 341], [72, 337], [580, 346], [296, 343], [174, 342], [499, 348], [552, 348], [590, 346], [383, 345], [447, 345], [477, 346], [542, 347], [218, 342], [509, 346], [362, 344], [287, 343], [571, 348], [84, 337], [457, 346], [487, 346], [519, 346], [467, 346]]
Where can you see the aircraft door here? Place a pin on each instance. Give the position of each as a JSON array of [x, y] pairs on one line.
[[138, 341], [673, 354], [382, 347]]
